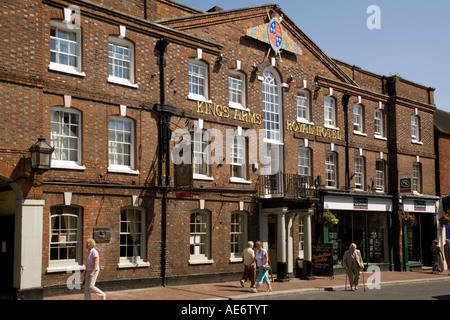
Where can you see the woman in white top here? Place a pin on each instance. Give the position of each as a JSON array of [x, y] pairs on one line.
[[262, 260]]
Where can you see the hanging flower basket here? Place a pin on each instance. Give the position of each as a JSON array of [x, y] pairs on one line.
[[329, 219], [409, 220], [444, 220]]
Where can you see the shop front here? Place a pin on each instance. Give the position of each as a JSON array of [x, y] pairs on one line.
[[420, 232], [363, 220]]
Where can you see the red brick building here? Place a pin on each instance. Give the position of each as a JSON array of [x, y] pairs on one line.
[[277, 133]]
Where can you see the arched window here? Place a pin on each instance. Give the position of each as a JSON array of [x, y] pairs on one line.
[[121, 61], [66, 137], [272, 122], [65, 237], [65, 48], [271, 106]]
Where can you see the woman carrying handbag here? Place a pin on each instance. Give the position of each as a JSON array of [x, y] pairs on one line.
[[262, 262]]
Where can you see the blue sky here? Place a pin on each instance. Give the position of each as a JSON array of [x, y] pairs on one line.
[[413, 41]]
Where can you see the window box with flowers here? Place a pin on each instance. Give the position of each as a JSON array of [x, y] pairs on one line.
[[329, 220], [409, 220]]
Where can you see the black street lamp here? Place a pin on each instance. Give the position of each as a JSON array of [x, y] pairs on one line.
[[41, 155]]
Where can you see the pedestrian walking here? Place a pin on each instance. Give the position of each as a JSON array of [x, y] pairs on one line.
[[438, 261], [447, 254], [249, 258], [353, 263], [262, 262], [92, 270]]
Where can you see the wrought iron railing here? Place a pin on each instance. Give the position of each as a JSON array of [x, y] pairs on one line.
[[285, 185]]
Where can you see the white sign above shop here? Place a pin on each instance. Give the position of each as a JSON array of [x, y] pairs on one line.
[[416, 205]]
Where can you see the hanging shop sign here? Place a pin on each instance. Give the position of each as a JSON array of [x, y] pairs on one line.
[[405, 184], [310, 129], [217, 110]]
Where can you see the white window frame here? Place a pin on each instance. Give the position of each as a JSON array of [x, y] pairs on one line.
[[379, 123], [200, 237], [138, 258], [62, 265], [303, 106], [359, 173], [60, 135], [380, 176], [417, 178], [330, 169], [122, 168], [202, 77], [237, 89], [66, 68], [358, 119], [238, 158], [238, 229], [329, 103], [127, 45]]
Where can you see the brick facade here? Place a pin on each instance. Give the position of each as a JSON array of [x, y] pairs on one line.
[[31, 89]]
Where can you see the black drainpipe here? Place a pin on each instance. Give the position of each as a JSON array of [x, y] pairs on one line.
[[345, 99], [164, 112]]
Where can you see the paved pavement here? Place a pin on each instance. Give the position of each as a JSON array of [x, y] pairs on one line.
[[233, 290]]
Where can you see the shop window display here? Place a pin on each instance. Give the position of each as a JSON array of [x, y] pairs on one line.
[[368, 230]]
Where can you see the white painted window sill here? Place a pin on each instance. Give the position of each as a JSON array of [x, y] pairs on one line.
[[195, 261], [127, 264], [67, 165], [239, 180], [202, 177], [65, 267], [380, 137], [66, 69], [359, 133], [122, 82], [123, 170]]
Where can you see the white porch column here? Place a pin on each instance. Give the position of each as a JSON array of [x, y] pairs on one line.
[[28, 244], [306, 214]]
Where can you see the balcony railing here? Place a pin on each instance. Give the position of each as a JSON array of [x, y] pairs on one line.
[[285, 185]]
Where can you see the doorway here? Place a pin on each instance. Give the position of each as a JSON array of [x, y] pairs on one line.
[[272, 241], [6, 253]]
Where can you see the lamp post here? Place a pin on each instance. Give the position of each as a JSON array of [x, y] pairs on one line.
[[41, 155]]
